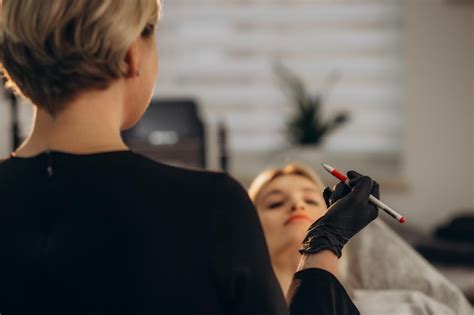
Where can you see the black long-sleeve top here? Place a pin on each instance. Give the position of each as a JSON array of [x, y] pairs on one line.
[[116, 233]]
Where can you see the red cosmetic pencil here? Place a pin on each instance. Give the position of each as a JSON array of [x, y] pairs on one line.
[[343, 178]]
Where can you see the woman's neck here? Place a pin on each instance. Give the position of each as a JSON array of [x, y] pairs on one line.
[[285, 265], [91, 123]]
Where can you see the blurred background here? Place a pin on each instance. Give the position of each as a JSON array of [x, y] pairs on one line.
[[382, 87]]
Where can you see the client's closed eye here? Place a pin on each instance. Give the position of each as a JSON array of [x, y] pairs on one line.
[[312, 202], [275, 205]]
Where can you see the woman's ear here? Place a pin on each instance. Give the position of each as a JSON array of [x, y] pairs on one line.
[[132, 60]]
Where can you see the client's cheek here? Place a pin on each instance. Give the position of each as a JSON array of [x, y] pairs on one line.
[[269, 224]]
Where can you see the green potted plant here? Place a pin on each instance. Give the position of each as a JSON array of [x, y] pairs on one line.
[[306, 127]]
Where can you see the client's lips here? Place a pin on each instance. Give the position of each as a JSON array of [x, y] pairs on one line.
[[299, 217]]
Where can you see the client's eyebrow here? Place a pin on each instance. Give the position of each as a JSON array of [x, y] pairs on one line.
[[273, 192], [281, 192], [310, 190]]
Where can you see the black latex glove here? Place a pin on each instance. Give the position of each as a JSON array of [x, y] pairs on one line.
[[349, 212]]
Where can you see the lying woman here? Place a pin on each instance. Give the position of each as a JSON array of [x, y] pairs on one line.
[[383, 273]]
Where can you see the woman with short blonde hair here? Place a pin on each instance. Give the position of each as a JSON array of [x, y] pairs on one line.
[[50, 57], [88, 226]]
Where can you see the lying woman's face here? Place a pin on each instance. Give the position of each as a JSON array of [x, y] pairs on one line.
[[287, 206]]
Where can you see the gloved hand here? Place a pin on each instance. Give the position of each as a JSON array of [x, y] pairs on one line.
[[349, 212]]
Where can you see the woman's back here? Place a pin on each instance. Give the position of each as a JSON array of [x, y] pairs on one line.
[[97, 234]]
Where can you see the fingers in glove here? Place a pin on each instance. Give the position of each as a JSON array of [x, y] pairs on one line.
[[327, 196], [375, 190], [353, 174], [340, 191], [374, 212], [362, 187], [355, 177]]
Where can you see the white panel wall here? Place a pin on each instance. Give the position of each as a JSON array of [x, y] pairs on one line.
[[4, 131], [24, 114], [472, 107], [437, 111], [222, 53]]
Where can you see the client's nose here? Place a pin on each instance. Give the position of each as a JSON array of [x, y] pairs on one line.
[[298, 206]]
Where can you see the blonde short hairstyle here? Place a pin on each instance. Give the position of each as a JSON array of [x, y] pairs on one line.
[[269, 175], [52, 49]]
